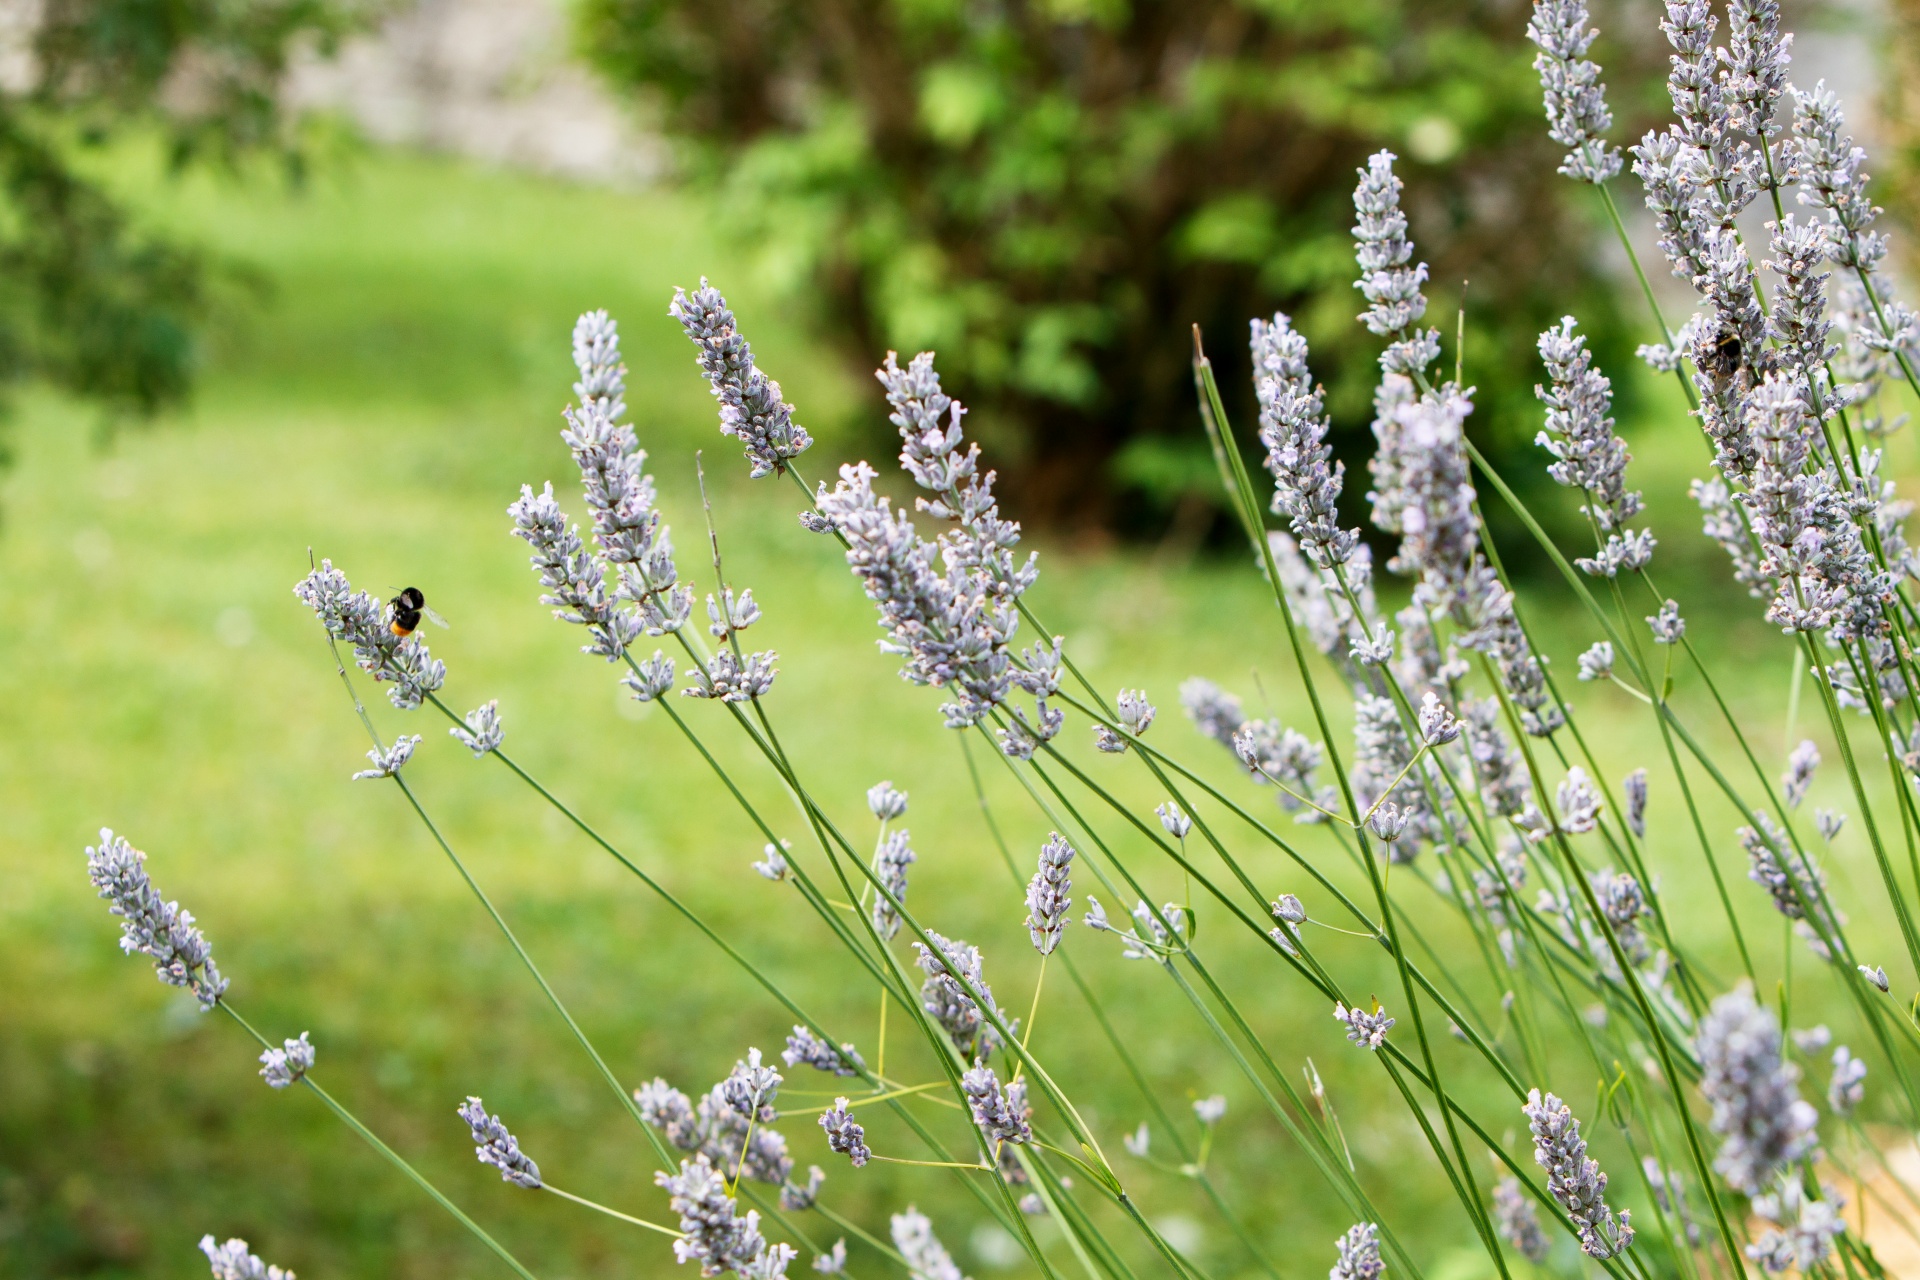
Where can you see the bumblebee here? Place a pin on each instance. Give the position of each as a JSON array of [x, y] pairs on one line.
[[1728, 354], [406, 609]]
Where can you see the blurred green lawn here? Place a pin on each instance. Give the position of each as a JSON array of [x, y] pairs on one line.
[[381, 407]]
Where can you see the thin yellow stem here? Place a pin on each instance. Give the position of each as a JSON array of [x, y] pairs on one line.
[[871, 1097], [612, 1213]]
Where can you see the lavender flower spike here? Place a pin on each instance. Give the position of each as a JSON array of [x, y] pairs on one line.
[[845, 1135], [493, 1145], [998, 1111], [281, 1067], [805, 1047], [1368, 1030], [634, 543], [575, 583], [1577, 115], [890, 865], [927, 1258], [1518, 1221], [235, 1261], [1047, 895], [885, 802], [667, 1109], [1847, 1087], [482, 732], [1635, 785], [1391, 287], [751, 409], [710, 1232], [1588, 455], [1799, 775], [1293, 427], [388, 761], [149, 924], [363, 622], [1757, 1109], [750, 1089], [1574, 1180], [1359, 1254]]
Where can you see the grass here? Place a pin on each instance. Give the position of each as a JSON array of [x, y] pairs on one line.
[[381, 406]]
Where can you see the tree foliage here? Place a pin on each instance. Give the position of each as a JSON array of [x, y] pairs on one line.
[[93, 301], [1051, 194]]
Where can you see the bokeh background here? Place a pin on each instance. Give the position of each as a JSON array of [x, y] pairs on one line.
[[322, 308]]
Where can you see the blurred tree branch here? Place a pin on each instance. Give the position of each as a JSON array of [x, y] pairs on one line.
[[90, 300]]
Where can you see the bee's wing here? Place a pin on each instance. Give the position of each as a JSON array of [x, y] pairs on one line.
[[436, 619]]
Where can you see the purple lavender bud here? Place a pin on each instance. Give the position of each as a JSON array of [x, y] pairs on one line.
[[1387, 821], [927, 1258], [834, 1261], [1635, 785], [493, 1145], [1577, 115], [235, 1261], [388, 761], [1754, 1092], [1847, 1087], [1047, 895], [653, 681], [1589, 456], [845, 1135], [885, 802], [1210, 1110], [799, 1197], [711, 1234], [1807, 1230], [1214, 712], [949, 1003], [281, 1067], [1437, 725], [1799, 775], [1391, 288], [1293, 427], [1176, 823], [751, 408], [1829, 822], [805, 1047], [575, 583], [729, 679], [1579, 802], [668, 1110], [751, 1088], [1359, 1254], [1597, 662], [1368, 1030], [997, 1111], [1876, 975], [482, 732], [149, 924], [361, 621], [1667, 625], [1518, 1221], [890, 865], [1573, 1179]]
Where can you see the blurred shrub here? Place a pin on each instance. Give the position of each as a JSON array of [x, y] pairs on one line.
[[95, 303], [1051, 193]]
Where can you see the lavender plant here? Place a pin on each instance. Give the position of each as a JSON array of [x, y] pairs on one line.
[[1445, 780]]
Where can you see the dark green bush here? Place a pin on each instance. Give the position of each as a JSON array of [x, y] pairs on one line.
[[1051, 194]]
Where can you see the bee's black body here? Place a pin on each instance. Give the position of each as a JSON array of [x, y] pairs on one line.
[[403, 611], [1728, 354]]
